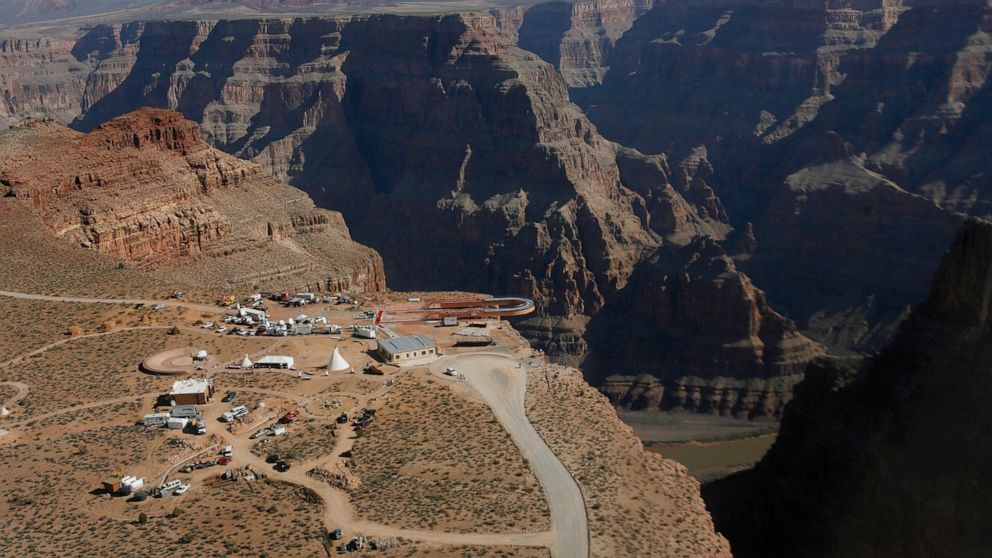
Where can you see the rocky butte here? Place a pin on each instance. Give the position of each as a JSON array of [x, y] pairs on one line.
[[145, 188], [890, 458]]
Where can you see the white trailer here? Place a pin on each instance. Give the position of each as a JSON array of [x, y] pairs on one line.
[[156, 419], [176, 423]]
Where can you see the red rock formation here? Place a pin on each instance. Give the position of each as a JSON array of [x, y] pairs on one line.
[[147, 189]]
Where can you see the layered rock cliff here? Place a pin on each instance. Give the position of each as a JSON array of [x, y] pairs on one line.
[[691, 332], [40, 77], [842, 131], [447, 125], [890, 459], [147, 189], [577, 37]]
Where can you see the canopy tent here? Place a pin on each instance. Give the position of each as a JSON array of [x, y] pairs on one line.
[[337, 363], [246, 362]]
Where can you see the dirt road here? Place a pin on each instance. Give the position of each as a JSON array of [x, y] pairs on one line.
[[503, 386], [22, 391], [85, 300]]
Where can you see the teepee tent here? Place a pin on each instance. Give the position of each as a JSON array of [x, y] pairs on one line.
[[246, 362], [337, 363], [4, 412]]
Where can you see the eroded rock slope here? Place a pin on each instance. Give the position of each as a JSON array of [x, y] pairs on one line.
[[145, 188]]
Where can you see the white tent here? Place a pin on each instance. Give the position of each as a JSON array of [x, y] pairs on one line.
[[246, 362], [4, 412], [200, 355], [337, 363]]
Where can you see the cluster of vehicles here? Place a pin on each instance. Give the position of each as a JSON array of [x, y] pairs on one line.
[[236, 413], [174, 487], [190, 467]]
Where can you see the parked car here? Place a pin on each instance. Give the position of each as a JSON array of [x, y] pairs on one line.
[[260, 433], [229, 396], [139, 305], [181, 490], [158, 306], [207, 325], [335, 535], [223, 460], [222, 329], [451, 372], [282, 467], [342, 418]]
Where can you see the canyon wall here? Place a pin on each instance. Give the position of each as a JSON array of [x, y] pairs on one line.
[[845, 133], [460, 156], [693, 333], [890, 458], [40, 77], [447, 125], [145, 188], [576, 37]]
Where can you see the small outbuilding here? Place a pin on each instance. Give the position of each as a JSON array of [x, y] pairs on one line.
[[193, 391], [273, 361], [408, 347]]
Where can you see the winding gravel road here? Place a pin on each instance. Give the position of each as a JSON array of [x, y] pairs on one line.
[[503, 386], [85, 300]]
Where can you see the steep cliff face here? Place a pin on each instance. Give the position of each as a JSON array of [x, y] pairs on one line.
[[40, 77], [147, 189], [891, 459], [845, 132], [690, 332], [577, 37], [447, 125]]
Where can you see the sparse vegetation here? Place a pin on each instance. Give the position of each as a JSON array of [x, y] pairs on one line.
[[444, 463]]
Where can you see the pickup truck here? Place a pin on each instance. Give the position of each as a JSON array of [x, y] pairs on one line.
[[289, 417]]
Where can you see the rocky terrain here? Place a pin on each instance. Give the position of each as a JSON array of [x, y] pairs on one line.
[[831, 148], [40, 77], [509, 184], [577, 37], [146, 189], [841, 131], [889, 458], [693, 333]]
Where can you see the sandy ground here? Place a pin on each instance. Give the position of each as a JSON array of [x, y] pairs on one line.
[[94, 408]]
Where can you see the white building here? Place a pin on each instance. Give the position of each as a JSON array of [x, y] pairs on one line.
[[406, 348], [273, 361], [193, 391]]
